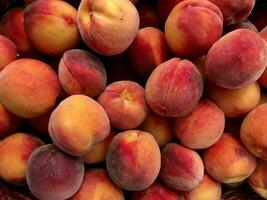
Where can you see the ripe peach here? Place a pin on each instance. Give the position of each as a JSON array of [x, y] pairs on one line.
[[181, 167], [14, 153], [263, 78], [133, 160], [236, 59], [8, 52], [106, 26], [228, 161], [77, 123], [81, 72], [174, 88]]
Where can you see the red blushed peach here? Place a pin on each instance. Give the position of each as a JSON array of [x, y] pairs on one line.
[[98, 152], [181, 167], [78, 123], [133, 160], [253, 131], [235, 102], [40, 123], [8, 52], [157, 191], [236, 59], [182, 23], [147, 51], [148, 16], [228, 161], [80, 72], [28, 87], [174, 88], [12, 26], [263, 78], [14, 153], [124, 102], [106, 26], [208, 188], [234, 11], [257, 180], [53, 175], [98, 186], [202, 127], [51, 26], [159, 127]]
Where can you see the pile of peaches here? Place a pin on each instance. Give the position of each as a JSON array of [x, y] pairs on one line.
[[118, 99]]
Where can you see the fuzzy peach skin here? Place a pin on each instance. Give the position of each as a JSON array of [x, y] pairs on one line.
[[12, 26], [98, 186], [236, 59], [263, 78], [181, 167], [234, 11], [125, 104], [157, 191], [257, 180], [192, 27], [158, 126], [77, 123], [174, 88], [14, 154], [202, 127], [106, 26], [133, 160], [51, 26], [28, 87], [235, 102], [148, 15], [208, 188], [8, 52], [228, 161], [98, 151], [148, 50], [253, 131], [40, 123], [52, 174], [81, 72]]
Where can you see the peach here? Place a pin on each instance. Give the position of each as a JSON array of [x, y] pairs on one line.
[[157, 191], [148, 16], [244, 24], [14, 153], [124, 102], [81, 72], [53, 175], [98, 186], [8, 52], [202, 127], [228, 161], [236, 59], [40, 123], [174, 88], [147, 51], [133, 160], [234, 11], [257, 180], [253, 131], [12, 26], [51, 26], [181, 167], [192, 27], [106, 26], [98, 151], [235, 102], [208, 188], [77, 123], [263, 78], [159, 127], [28, 87]]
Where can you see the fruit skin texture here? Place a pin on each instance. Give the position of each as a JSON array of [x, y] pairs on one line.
[[236, 59], [106, 26], [181, 167], [263, 78], [192, 27], [52, 174], [77, 123], [28, 87], [133, 160], [174, 88]]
